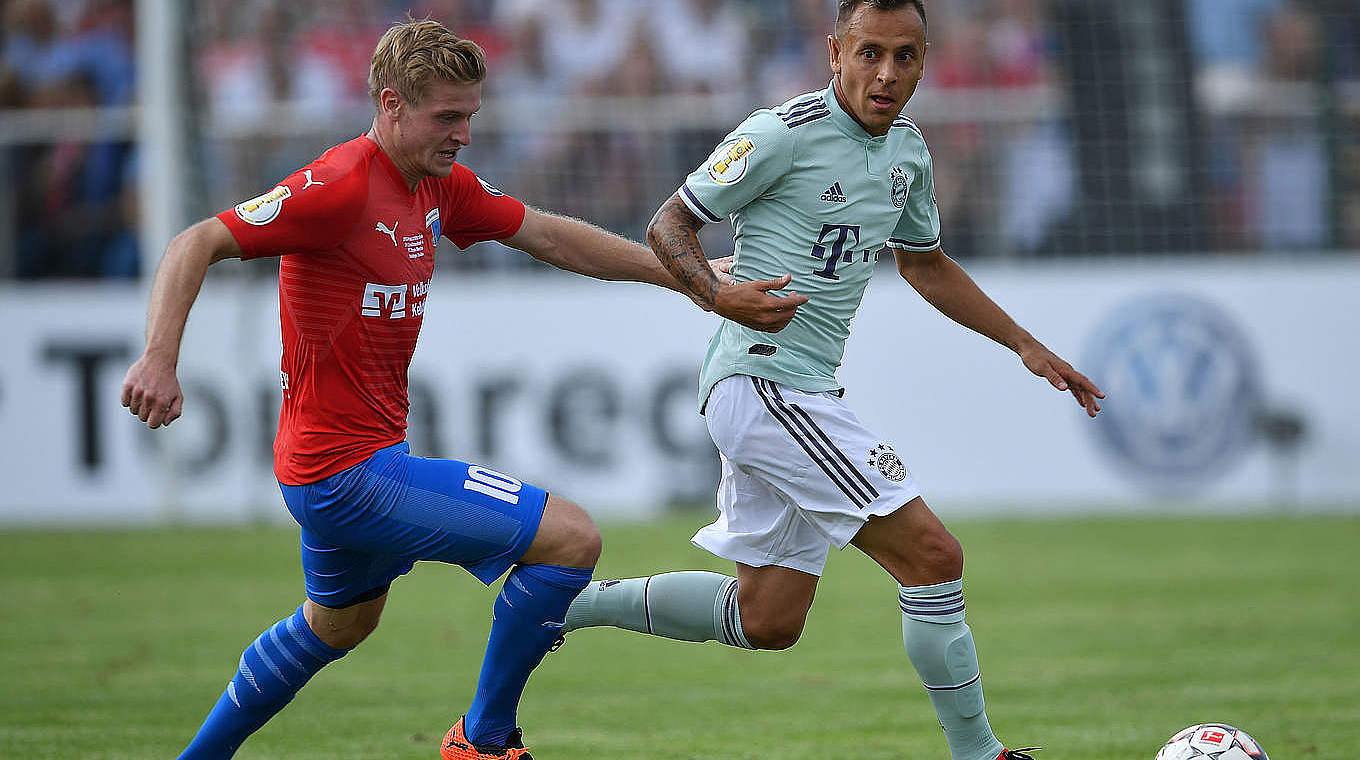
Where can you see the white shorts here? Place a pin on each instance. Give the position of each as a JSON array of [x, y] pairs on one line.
[[799, 472]]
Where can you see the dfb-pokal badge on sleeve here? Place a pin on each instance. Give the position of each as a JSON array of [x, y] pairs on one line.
[[265, 208], [728, 162]]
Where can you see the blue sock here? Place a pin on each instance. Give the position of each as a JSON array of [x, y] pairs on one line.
[[526, 619], [272, 670]]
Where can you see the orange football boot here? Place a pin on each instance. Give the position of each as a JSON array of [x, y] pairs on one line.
[[457, 747]]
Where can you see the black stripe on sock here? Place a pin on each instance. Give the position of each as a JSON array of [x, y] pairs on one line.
[[974, 680], [931, 601], [735, 635], [906, 595], [931, 613], [726, 618], [647, 602]]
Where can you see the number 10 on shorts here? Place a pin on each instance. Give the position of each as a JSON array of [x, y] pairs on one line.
[[493, 484]]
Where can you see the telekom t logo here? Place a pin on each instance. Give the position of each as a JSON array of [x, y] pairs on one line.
[[384, 298], [839, 245]]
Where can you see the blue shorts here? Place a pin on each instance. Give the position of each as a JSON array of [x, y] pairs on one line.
[[366, 526]]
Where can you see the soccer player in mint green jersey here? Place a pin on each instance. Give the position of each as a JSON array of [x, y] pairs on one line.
[[817, 189]]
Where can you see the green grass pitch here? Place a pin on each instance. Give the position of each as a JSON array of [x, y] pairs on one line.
[[1099, 638]]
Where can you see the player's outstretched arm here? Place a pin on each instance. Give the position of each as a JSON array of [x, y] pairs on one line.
[[674, 236], [151, 390], [944, 284], [581, 247]]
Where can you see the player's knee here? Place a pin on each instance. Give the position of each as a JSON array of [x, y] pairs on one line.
[[347, 637], [566, 536], [772, 634], [932, 555], [771, 628], [588, 545], [345, 627], [580, 545], [350, 637], [776, 642], [941, 554]]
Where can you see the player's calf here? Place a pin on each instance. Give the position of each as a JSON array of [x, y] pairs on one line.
[[528, 613], [685, 606], [763, 608], [526, 620], [940, 646], [271, 671]]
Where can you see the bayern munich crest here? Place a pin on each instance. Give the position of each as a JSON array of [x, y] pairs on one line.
[[899, 186], [888, 463]]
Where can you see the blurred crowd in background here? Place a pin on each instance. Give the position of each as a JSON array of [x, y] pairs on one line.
[[1058, 127]]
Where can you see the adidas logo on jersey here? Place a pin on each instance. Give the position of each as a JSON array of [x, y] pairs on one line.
[[833, 194]]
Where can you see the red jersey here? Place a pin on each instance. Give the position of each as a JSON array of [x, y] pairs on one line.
[[357, 254]]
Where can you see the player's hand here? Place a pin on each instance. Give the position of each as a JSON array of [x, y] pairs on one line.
[[1046, 364], [752, 305], [151, 392], [722, 269]]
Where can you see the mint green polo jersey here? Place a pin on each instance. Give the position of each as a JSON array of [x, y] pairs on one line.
[[811, 194]]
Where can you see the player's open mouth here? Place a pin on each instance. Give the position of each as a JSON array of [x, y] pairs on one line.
[[881, 101], [449, 155]]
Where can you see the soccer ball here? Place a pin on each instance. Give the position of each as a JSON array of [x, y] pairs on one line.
[[1215, 741]]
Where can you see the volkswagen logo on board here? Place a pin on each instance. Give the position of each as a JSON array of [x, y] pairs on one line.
[[1183, 387]]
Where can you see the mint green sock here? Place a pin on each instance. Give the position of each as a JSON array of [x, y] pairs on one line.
[[686, 606], [940, 646]]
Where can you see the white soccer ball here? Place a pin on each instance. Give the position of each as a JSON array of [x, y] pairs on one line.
[[1215, 741]]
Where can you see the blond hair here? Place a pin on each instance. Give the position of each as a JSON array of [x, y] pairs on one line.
[[412, 53]]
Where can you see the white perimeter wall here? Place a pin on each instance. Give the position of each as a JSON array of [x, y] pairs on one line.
[[588, 389]]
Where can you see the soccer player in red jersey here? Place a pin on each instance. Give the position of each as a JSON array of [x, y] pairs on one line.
[[355, 233]]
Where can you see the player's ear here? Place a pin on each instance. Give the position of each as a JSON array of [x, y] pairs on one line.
[[390, 102], [834, 49]]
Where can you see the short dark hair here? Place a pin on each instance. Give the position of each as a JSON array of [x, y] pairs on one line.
[[846, 8]]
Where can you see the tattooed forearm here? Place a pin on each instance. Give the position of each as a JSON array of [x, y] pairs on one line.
[[673, 235]]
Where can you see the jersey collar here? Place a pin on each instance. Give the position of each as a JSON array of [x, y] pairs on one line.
[[844, 121]]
